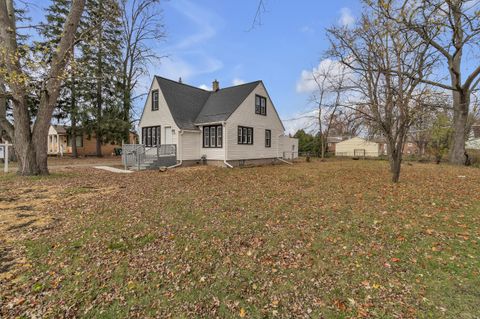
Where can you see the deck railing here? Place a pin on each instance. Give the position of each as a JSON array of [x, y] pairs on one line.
[[134, 155]]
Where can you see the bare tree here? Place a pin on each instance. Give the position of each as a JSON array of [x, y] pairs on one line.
[[142, 23], [330, 84], [380, 59], [31, 141], [452, 29]]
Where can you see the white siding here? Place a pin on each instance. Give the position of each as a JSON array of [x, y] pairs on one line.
[[190, 144], [288, 147], [348, 147], [245, 115], [161, 117]]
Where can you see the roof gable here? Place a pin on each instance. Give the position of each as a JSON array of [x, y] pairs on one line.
[[191, 106], [184, 101]]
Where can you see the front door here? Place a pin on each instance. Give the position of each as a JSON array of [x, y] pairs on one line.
[[168, 135]]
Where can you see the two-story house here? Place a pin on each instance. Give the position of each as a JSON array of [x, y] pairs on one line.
[[227, 127]]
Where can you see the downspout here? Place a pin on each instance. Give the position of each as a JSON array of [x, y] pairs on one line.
[[225, 146], [178, 150]]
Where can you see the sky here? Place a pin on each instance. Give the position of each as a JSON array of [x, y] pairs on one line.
[[213, 39]]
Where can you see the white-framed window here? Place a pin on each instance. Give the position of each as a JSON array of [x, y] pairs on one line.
[[260, 105], [268, 138], [155, 100], [212, 136], [245, 135]]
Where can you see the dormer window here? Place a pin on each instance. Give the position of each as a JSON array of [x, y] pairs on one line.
[[260, 105], [155, 100]]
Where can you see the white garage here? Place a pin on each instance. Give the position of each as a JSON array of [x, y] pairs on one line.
[[359, 147]]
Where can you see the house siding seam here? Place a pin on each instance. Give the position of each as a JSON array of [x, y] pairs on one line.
[[190, 146]]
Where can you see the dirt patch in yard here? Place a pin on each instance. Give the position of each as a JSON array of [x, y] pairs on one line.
[[31, 207]]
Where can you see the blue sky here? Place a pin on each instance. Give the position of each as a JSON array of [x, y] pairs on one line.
[[213, 39]]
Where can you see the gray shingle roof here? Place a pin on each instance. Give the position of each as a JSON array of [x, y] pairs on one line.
[[185, 101], [190, 105], [61, 129], [221, 104]]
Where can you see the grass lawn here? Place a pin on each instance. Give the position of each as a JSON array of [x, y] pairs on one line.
[[321, 240]]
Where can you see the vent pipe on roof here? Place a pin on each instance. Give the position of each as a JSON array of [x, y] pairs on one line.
[[215, 86]]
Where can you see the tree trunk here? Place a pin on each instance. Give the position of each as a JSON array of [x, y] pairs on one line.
[[25, 153], [40, 141], [99, 98], [395, 148], [73, 112], [73, 133], [322, 146], [395, 163], [126, 107], [461, 102], [31, 144]]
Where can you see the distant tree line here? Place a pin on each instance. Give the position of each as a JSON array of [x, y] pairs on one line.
[[82, 69]]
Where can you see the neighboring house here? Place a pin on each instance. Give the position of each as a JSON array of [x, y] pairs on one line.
[[360, 147], [226, 127], [410, 147], [473, 144], [60, 143], [476, 130], [332, 141]]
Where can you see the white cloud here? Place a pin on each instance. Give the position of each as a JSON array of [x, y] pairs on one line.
[[178, 66], [307, 84], [204, 87], [307, 121], [346, 17], [237, 81]]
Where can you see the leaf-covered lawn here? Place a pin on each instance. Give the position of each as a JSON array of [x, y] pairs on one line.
[[333, 240]]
